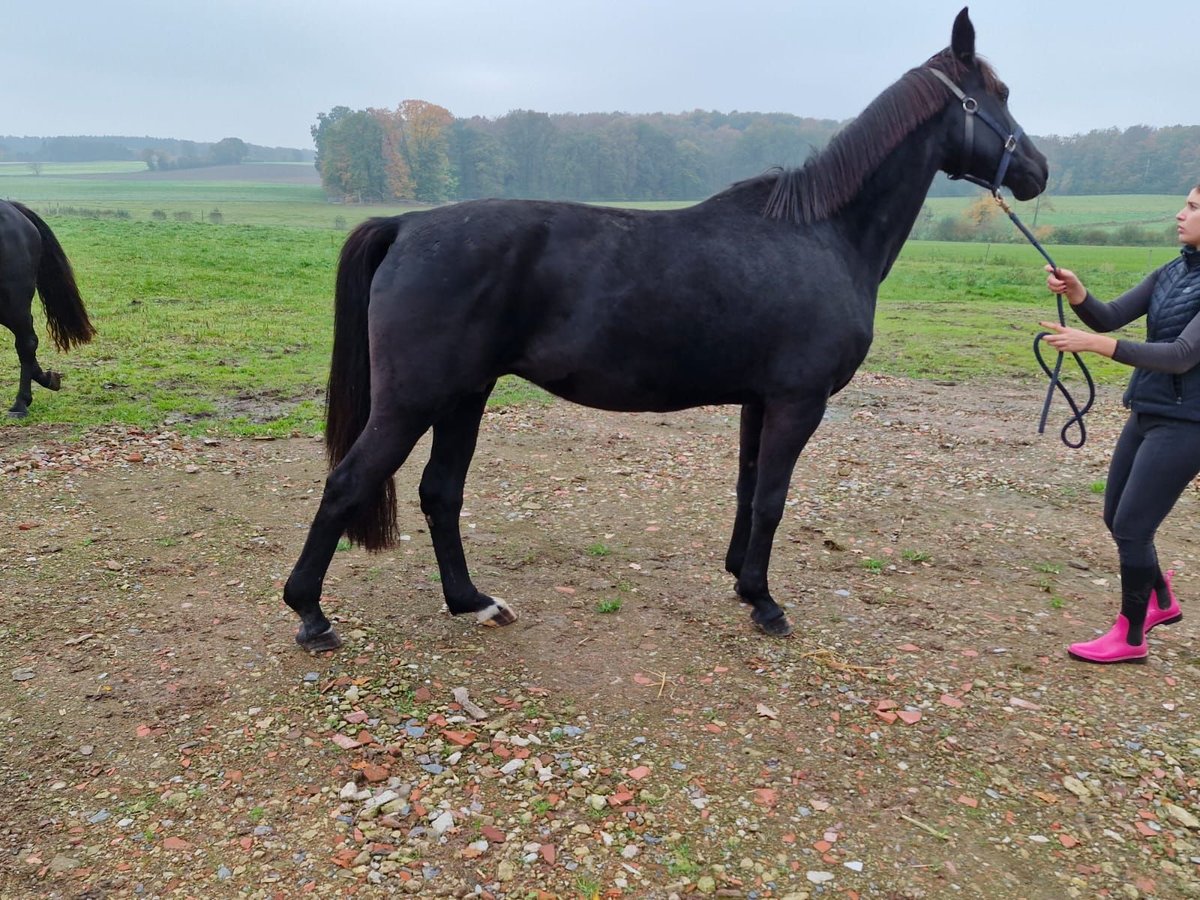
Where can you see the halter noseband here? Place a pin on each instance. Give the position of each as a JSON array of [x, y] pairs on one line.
[[971, 108]]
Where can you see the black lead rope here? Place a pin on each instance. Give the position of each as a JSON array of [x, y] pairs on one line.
[[1077, 412], [972, 111]]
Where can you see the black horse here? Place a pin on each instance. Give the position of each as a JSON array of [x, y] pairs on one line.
[[32, 258], [762, 295]]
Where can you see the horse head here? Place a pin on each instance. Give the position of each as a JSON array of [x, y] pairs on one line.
[[983, 142]]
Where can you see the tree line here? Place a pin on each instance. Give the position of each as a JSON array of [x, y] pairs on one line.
[[1137, 160], [419, 151], [157, 153]]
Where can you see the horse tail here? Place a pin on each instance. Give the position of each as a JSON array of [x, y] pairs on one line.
[[348, 398], [65, 315]]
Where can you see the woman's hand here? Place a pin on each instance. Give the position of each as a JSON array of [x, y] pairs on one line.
[[1064, 281], [1072, 340]]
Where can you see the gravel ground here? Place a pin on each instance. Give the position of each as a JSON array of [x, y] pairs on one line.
[[923, 733]]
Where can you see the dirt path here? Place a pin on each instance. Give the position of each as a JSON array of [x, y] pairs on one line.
[[921, 735]]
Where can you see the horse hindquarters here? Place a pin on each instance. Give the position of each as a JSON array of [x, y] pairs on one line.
[[66, 316], [21, 244]]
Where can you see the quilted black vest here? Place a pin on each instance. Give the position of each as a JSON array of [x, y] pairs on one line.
[[1174, 302]]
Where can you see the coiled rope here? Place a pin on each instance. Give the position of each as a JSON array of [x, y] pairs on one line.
[[1053, 373]]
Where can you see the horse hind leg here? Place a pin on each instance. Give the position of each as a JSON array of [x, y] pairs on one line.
[[51, 381], [358, 481], [454, 439], [26, 345], [20, 405]]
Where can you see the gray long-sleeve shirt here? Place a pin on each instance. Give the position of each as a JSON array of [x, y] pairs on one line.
[[1174, 357]]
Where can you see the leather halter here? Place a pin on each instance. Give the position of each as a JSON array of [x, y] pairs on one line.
[[971, 107]]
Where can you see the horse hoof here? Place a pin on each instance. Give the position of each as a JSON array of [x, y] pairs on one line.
[[504, 617], [778, 626], [326, 640], [498, 614], [18, 413], [53, 381]]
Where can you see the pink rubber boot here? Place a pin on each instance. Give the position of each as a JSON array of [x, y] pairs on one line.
[[1112, 647], [1157, 616]]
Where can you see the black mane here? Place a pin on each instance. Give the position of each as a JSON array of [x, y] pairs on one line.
[[831, 178]]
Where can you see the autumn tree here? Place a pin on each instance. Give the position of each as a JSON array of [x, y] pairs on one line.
[[349, 154], [421, 132], [397, 174], [984, 217]]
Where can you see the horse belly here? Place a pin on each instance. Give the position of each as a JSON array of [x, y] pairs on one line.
[[630, 387], [611, 368]]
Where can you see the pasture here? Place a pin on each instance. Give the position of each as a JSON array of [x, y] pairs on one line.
[[922, 734]]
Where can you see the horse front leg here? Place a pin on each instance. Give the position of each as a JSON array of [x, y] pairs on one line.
[[786, 429], [352, 487], [748, 447], [454, 439]]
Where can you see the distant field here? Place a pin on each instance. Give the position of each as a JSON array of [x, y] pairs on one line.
[[114, 167], [227, 327], [250, 194]]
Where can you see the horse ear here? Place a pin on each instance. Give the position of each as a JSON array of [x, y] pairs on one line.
[[962, 40]]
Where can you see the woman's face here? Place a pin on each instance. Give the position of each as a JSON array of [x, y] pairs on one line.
[[1188, 220]]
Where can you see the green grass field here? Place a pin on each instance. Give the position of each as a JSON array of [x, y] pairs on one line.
[[965, 310], [227, 328]]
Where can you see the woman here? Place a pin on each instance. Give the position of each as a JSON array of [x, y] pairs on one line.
[[1158, 452]]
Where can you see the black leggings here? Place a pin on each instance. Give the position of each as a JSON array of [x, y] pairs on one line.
[[1155, 459]]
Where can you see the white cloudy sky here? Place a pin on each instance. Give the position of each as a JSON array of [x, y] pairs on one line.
[[261, 70]]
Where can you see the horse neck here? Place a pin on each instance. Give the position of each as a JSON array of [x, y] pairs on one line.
[[879, 218]]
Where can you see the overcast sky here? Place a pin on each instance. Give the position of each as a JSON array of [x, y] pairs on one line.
[[262, 70]]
